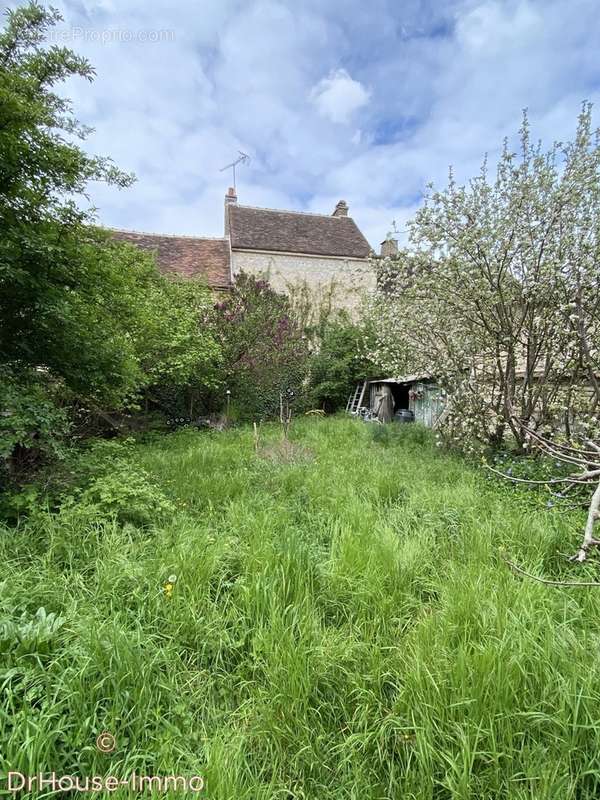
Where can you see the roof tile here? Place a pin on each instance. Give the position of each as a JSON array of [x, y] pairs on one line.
[[185, 256], [294, 232]]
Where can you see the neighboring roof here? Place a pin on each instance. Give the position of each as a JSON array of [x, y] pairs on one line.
[[421, 376], [295, 232], [186, 256]]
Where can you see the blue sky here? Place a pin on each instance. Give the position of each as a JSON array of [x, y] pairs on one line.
[[365, 100]]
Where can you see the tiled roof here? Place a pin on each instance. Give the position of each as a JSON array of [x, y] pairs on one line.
[[294, 232], [186, 256]]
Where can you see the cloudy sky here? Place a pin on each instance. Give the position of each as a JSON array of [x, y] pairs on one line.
[[365, 100]]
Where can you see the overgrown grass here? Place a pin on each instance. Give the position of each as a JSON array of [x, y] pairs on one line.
[[342, 626]]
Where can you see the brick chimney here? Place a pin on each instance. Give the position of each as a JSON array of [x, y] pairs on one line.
[[230, 200], [341, 209], [389, 247]]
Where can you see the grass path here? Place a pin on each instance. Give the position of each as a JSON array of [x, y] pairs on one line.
[[341, 627]]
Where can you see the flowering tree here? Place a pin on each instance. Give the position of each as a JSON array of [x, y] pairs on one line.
[[499, 298], [265, 350]]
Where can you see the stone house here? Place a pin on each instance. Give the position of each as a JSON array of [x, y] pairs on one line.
[[287, 247]]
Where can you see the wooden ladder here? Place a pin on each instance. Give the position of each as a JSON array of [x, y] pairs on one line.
[[355, 400]]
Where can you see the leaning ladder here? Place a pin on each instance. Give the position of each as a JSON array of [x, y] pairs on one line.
[[355, 400]]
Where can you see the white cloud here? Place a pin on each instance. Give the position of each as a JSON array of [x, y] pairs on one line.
[[446, 82], [338, 96], [493, 26]]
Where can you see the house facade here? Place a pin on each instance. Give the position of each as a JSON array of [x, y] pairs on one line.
[[288, 248]]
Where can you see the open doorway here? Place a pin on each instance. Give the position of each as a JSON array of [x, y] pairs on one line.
[[400, 394]]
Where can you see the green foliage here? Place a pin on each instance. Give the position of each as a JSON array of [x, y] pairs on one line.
[[88, 314], [128, 494], [177, 344], [41, 166], [32, 426], [29, 635], [265, 350], [542, 470], [61, 286], [338, 363], [103, 480]]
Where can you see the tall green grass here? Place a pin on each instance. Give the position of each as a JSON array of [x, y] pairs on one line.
[[342, 626]]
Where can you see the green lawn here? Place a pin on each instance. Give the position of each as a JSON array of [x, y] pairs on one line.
[[342, 626]]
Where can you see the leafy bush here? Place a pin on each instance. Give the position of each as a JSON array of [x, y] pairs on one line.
[[338, 363], [129, 495], [265, 349], [32, 426], [110, 484], [78, 310]]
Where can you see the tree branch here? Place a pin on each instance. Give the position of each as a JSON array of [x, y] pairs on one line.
[[548, 582]]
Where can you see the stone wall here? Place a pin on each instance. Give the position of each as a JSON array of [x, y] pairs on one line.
[[350, 276]]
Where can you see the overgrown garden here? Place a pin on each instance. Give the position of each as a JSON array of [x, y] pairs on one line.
[[357, 611]]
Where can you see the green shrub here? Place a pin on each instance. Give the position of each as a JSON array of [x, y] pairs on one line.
[[126, 493], [265, 349], [338, 363], [32, 425]]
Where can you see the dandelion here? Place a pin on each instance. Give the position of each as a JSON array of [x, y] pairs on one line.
[[169, 585]]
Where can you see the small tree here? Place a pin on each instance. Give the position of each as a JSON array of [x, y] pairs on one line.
[[265, 351], [61, 284], [500, 298], [83, 319], [177, 345]]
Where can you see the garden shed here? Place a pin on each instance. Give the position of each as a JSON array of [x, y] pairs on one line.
[[420, 394]]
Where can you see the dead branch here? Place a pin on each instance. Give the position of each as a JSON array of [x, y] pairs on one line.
[[584, 454], [285, 414], [570, 456], [589, 464], [548, 582], [583, 478], [593, 444], [256, 437], [588, 536]]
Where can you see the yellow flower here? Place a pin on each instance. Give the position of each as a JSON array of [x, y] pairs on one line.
[[169, 585]]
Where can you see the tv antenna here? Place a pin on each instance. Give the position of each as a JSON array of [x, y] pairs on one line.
[[243, 158]]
